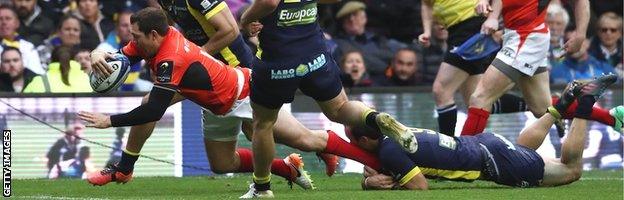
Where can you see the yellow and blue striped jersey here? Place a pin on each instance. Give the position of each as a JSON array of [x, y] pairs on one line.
[[438, 156], [451, 12], [193, 15]]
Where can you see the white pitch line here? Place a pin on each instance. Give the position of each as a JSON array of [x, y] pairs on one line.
[[55, 197], [602, 179]]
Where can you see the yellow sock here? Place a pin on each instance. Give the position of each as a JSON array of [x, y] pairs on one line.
[[553, 111], [130, 152], [261, 180]]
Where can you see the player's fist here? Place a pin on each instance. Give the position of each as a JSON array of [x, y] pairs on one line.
[[489, 26], [95, 120], [253, 28], [424, 39], [574, 44], [483, 7], [98, 62]]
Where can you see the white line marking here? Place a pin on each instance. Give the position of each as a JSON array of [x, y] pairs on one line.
[[602, 179], [54, 197]]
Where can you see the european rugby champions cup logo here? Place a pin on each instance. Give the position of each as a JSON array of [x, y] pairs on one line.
[[6, 163]]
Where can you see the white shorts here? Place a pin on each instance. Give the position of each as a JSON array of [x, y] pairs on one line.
[[526, 57], [226, 127]]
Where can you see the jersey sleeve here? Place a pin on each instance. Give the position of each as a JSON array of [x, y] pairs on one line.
[[168, 72], [130, 51], [397, 161], [208, 8]]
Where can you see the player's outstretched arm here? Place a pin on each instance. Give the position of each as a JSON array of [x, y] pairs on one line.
[[152, 110]]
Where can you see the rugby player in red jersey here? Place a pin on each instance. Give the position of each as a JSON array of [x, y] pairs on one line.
[[183, 70], [522, 59]]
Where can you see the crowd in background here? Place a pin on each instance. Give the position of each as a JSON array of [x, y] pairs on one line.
[[45, 44]]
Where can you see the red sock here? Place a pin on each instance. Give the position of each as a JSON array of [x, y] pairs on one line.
[[278, 167], [476, 122], [598, 114], [340, 147]]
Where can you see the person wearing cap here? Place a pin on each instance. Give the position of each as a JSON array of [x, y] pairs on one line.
[[378, 51], [456, 73]]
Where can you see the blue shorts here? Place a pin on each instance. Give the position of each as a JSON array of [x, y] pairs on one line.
[[275, 83], [509, 164]]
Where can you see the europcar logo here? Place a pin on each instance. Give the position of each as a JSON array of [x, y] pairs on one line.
[[297, 16]]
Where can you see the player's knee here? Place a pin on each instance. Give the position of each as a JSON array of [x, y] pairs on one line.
[[221, 168], [575, 174], [441, 94]]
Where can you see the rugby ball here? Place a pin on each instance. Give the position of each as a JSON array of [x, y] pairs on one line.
[[121, 67]]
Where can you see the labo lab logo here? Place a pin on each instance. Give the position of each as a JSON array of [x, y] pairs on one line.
[[6, 162]]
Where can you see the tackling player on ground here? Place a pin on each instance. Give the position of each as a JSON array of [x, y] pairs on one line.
[[294, 57], [183, 70], [488, 156]]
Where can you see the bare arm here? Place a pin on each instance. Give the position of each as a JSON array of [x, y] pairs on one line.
[[418, 182], [258, 10], [226, 31], [427, 20], [581, 15]]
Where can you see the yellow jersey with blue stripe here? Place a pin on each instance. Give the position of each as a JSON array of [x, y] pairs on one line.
[[438, 156], [193, 15], [451, 12]]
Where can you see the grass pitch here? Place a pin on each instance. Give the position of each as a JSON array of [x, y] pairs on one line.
[[594, 185]]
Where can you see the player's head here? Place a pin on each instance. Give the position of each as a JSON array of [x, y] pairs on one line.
[[365, 138], [149, 26]]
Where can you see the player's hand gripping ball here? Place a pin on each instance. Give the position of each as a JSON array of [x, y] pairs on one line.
[[103, 84]]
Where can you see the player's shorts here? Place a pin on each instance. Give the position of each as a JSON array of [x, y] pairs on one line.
[[458, 34], [227, 127], [523, 53], [274, 83], [509, 164]]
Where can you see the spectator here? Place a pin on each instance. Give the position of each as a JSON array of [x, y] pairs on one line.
[[77, 167], [110, 8], [93, 24], [354, 70], [64, 75], [12, 64], [67, 34], [578, 66], [397, 19], [64, 148], [34, 26], [557, 19], [55, 9], [377, 50], [83, 57], [120, 36], [433, 55], [402, 70], [607, 47], [9, 23]]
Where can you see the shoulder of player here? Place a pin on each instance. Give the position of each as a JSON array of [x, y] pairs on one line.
[[203, 6]]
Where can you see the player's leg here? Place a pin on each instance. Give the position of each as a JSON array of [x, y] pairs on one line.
[[492, 85], [570, 167], [536, 91], [122, 171], [447, 82], [263, 144], [325, 87], [289, 131]]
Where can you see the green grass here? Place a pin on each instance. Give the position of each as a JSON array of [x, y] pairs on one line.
[[594, 185]]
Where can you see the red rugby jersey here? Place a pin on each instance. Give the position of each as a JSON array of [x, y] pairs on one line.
[[184, 67], [525, 15]]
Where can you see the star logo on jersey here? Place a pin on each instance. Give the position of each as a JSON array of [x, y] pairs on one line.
[[164, 70]]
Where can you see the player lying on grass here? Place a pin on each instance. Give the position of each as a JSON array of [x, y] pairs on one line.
[[487, 156], [182, 70]]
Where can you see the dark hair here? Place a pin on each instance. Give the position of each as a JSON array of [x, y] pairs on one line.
[[9, 48], [11, 8], [63, 55], [65, 18], [149, 19], [360, 131], [344, 57]]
